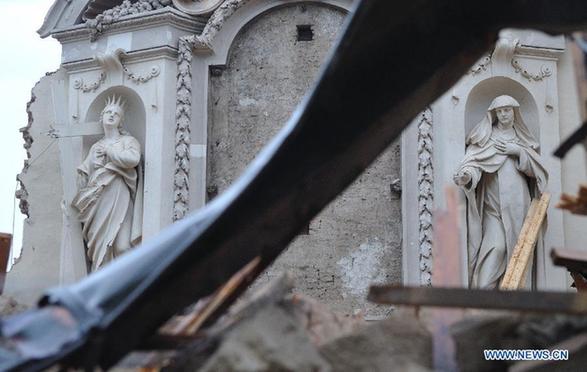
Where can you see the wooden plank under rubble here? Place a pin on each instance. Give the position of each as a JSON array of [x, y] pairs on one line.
[[515, 273], [536, 301]]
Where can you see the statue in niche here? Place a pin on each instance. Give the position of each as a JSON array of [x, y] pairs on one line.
[[109, 197], [500, 174]]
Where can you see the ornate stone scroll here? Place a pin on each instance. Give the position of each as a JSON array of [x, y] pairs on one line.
[[425, 195], [216, 21], [103, 21]]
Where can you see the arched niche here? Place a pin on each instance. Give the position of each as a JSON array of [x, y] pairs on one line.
[[483, 93], [134, 117], [262, 82], [245, 12]]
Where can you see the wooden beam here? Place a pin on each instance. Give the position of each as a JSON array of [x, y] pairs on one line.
[[576, 262], [548, 302], [518, 265], [5, 244]]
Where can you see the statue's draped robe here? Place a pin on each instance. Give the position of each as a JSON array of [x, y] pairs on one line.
[[110, 204], [498, 199]]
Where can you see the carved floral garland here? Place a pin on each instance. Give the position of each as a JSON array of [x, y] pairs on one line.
[[183, 118], [183, 114], [541, 75], [138, 79], [425, 195], [89, 87]]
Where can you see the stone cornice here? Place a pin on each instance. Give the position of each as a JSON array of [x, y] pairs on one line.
[[547, 53], [130, 57], [166, 16]]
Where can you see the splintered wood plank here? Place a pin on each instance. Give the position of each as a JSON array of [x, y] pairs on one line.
[[188, 325], [526, 301], [517, 268]]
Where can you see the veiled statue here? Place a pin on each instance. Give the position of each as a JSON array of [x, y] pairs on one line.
[[501, 173], [109, 198]]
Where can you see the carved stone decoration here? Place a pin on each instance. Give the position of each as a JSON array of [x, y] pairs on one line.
[[110, 192], [142, 78], [481, 65], [183, 117], [79, 83], [531, 76], [103, 21], [216, 21], [425, 195], [197, 7], [500, 173]]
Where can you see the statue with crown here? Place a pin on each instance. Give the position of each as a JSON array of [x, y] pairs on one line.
[[109, 196]]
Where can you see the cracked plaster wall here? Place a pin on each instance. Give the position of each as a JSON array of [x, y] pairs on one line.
[[356, 240], [41, 178]]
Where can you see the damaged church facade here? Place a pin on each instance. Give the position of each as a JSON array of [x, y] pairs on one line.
[[207, 84]]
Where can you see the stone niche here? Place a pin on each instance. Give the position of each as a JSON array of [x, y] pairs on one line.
[[135, 59], [356, 240], [537, 71]]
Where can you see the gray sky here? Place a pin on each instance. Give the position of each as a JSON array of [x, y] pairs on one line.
[[25, 58]]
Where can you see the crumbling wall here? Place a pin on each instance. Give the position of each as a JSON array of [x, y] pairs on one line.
[[272, 63], [40, 199]]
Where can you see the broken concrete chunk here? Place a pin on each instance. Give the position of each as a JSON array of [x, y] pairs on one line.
[[270, 341], [398, 343]]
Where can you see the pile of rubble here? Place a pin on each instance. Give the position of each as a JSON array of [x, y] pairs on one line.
[[276, 330]]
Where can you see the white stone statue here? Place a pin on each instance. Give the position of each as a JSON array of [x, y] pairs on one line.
[[109, 198], [500, 174]]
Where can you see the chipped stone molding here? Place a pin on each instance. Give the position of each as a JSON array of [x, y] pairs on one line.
[[183, 119], [425, 195], [165, 16]]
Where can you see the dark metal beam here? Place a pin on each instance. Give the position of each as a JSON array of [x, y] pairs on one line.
[[549, 302]]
